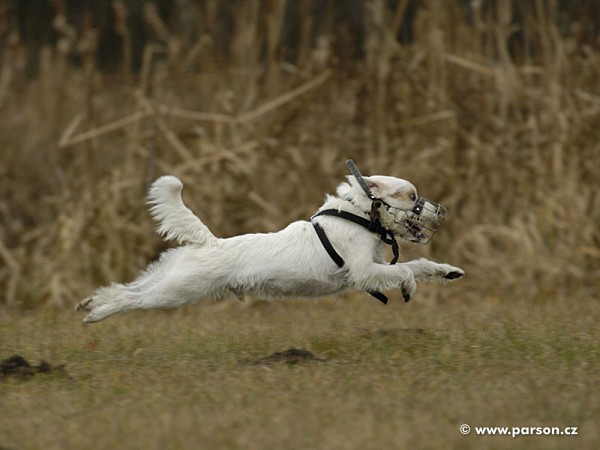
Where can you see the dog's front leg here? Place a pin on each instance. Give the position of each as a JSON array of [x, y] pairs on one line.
[[383, 277], [425, 270]]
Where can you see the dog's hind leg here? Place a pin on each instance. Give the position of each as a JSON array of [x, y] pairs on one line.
[[105, 302], [119, 298], [148, 291], [168, 283]]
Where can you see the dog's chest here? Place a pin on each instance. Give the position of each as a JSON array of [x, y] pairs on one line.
[[297, 287]]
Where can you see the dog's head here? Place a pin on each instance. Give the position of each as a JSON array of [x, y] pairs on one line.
[[402, 211]]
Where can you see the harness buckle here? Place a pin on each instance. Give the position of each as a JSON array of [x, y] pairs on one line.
[[375, 210]]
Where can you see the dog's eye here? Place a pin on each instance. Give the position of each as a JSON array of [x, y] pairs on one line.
[[413, 197]]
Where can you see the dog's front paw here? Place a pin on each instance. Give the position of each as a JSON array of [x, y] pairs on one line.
[[453, 273], [409, 287]]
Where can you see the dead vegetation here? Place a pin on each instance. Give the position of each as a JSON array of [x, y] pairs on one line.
[[505, 137]]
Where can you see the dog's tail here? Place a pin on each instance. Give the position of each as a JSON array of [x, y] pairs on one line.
[[175, 220]]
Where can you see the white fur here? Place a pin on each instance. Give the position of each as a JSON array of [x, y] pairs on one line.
[[290, 262]]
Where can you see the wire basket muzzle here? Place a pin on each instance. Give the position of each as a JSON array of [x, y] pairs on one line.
[[422, 222]]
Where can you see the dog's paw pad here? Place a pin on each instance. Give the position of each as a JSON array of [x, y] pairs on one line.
[[453, 275], [406, 295], [408, 290], [84, 305]]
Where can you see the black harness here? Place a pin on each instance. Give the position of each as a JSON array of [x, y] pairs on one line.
[[373, 225]]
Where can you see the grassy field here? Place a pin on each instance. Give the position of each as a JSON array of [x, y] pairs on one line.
[[401, 376]]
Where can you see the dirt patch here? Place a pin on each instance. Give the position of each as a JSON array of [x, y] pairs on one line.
[[395, 332], [290, 356], [18, 367]]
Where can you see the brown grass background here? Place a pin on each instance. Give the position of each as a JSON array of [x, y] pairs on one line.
[[494, 117]]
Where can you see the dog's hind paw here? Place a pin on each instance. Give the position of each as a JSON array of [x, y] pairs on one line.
[[95, 312], [84, 305]]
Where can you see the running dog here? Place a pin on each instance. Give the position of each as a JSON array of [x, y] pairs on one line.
[[341, 246]]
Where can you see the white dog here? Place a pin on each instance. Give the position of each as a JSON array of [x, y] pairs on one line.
[[342, 246]]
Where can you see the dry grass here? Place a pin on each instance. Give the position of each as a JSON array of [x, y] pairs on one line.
[[403, 376]]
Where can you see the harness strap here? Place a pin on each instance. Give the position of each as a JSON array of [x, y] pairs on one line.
[[327, 244], [371, 225], [374, 226]]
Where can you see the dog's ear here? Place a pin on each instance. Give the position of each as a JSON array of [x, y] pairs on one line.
[[377, 187]]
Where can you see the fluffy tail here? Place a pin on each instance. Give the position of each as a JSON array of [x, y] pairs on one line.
[[175, 220]]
